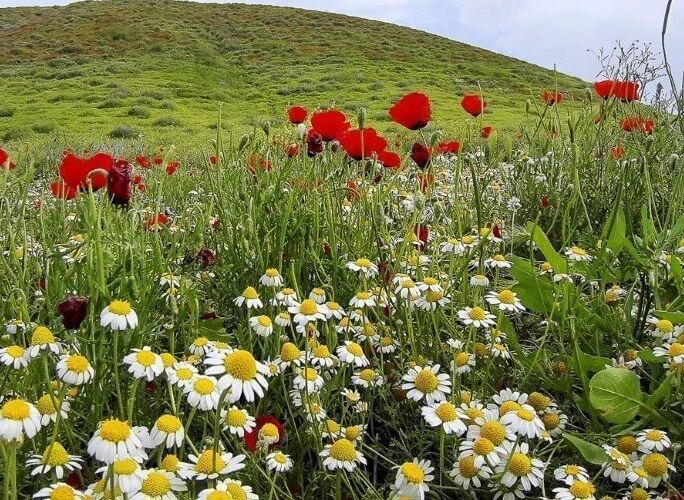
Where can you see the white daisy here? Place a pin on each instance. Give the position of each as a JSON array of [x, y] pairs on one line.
[[447, 415], [237, 421], [262, 325], [271, 278], [42, 340], [426, 382], [279, 462], [241, 374], [477, 317], [342, 454], [307, 311], [203, 392], [74, 369], [19, 417], [181, 374], [119, 315], [144, 364], [352, 353], [505, 300], [159, 484], [167, 429], [15, 356], [363, 266], [249, 298], [56, 458], [115, 440], [412, 478], [210, 465]]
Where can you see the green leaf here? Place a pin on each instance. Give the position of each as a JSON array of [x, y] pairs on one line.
[[649, 357], [535, 293], [615, 229], [676, 270], [653, 400], [591, 452], [616, 394], [590, 363], [676, 317], [556, 260], [647, 227]]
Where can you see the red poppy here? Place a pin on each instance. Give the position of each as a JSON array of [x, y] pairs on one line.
[[486, 131], [617, 152], [73, 311], [136, 179], [143, 161], [425, 181], [450, 147], [623, 90], [552, 97], [636, 123], [423, 235], [158, 159], [255, 162], [206, 258], [389, 159], [297, 114], [496, 232], [292, 150], [473, 104], [74, 480], [420, 154], [213, 159], [5, 160], [412, 111], [77, 172], [61, 190], [156, 221], [141, 186], [331, 124], [604, 88], [172, 166], [119, 182], [314, 143], [362, 143], [252, 438]]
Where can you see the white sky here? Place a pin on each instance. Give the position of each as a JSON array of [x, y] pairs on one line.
[[544, 32]]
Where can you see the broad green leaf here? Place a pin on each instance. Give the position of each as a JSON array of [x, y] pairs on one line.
[[616, 394], [589, 362], [534, 292], [556, 260], [675, 316], [615, 229], [653, 400], [591, 452], [648, 229]]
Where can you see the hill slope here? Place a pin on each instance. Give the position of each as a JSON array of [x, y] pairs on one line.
[[160, 67]]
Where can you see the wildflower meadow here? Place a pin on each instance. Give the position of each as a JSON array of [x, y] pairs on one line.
[[322, 309]]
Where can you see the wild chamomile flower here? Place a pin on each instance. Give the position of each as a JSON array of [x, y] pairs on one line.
[[578, 254], [489, 427], [119, 315], [577, 490], [59, 491], [507, 400], [520, 467], [144, 364], [413, 477], [317, 295], [308, 380], [570, 473], [115, 440], [181, 374], [452, 246], [352, 353], [407, 289], [426, 382], [673, 351], [19, 417], [657, 466], [42, 339], [249, 298], [446, 415], [200, 346], [363, 266], [652, 439], [290, 356], [477, 317], [342, 454], [385, 344], [432, 299], [366, 332], [619, 465], [262, 325], [362, 299], [499, 350], [334, 311], [159, 484], [322, 357], [283, 319], [483, 451], [48, 411], [307, 311], [465, 472], [56, 458], [367, 377], [554, 422], [278, 462], [167, 429], [463, 362], [15, 325], [351, 395], [234, 488], [15, 356], [497, 261], [345, 326], [74, 369], [479, 280], [168, 279], [128, 474], [524, 422], [505, 300], [237, 421], [271, 277], [210, 465], [241, 374], [203, 392], [286, 297]]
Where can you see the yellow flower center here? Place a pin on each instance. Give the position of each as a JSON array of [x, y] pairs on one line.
[[208, 463], [77, 363], [582, 489], [269, 430], [434, 295], [654, 435], [408, 284], [184, 373], [538, 401], [15, 351], [351, 433], [308, 307], [55, 456], [170, 463], [125, 467], [318, 291], [145, 358], [474, 413], [204, 386], [386, 341], [309, 374], [355, 349], [250, 293], [120, 307], [219, 495], [507, 297], [572, 470], [200, 342], [241, 365], [16, 409], [426, 381], [368, 374], [664, 325], [168, 424], [412, 473], [676, 349], [519, 464], [362, 262], [655, 464], [280, 458], [289, 352], [507, 406], [168, 359], [494, 431], [640, 494], [62, 492], [155, 484], [446, 412], [462, 358], [363, 295], [430, 281], [332, 426], [272, 272], [45, 405], [343, 450], [42, 335], [236, 493], [468, 239], [578, 250], [526, 415], [466, 466], [322, 351], [115, 430], [264, 321], [236, 418], [477, 313], [499, 258], [483, 446], [550, 421]]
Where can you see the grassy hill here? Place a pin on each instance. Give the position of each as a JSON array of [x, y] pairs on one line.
[[95, 69]]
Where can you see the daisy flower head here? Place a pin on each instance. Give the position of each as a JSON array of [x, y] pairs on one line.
[[56, 458], [463, 362], [479, 280], [290, 356], [237, 420], [115, 440], [307, 311], [119, 315], [413, 477], [658, 468], [169, 279], [262, 325], [127, 473], [42, 340], [570, 473], [554, 422], [210, 465], [243, 375], [432, 299], [352, 353], [477, 317], [520, 467], [159, 484], [144, 364], [367, 377], [497, 261], [167, 429], [322, 357], [283, 319], [362, 299], [308, 380], [407, 289], [505, 300], [74, 369], [47, 404], [19, 417], [271, 277], [618, 466], [581, 489], [366, 332], [286, 297], [446, 415], [465, 472], [426, 382], [59, 491], [342, 454], [200, 346], [268, 433], [15, 325], [15, 356], [578, 254], [181, 373], [524, 422], [203, 392], [429, 283], [363, 266], [279, 462], [249, 298], [653, 440], [491, 428], [334, 310], [386, 344]]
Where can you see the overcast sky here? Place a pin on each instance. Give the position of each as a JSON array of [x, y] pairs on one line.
[[540, 31]]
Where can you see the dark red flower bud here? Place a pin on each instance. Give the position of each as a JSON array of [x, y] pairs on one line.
[[420, 154], [496, 232], [314, 143], [206, 257], [150, 387], [73, 311], [119, 182], [292, 150], [545, 202]]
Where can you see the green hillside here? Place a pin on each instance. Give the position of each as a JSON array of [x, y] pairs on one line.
[[160, 68]]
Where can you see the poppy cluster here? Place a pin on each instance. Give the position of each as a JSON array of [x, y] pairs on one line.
[[552, 97], [637, 124], [623, 90]]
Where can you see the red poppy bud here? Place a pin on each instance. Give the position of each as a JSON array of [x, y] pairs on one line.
[[171, 167], [617, 152], [213, 159], [5, 160], [206, 258], [545, 201], [496, 232], [73, 311], [143, 161], [292, 150], [314, 143], [423, 235], [552, 97], [486, 132], [119, 182], [327, 250], [420, 154]]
